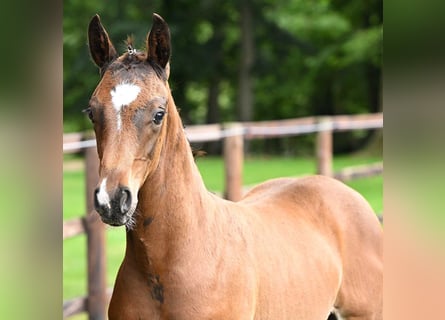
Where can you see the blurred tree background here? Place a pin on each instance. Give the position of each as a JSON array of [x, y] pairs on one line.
[[245, 60]]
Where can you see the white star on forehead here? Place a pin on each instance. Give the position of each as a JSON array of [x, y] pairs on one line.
[[122, 95]]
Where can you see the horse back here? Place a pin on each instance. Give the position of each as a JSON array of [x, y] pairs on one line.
[[325, 203]]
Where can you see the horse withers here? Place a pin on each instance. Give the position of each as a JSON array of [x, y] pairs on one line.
[[290, 249]]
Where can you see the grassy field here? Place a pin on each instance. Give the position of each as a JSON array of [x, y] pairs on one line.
[[255, 170]]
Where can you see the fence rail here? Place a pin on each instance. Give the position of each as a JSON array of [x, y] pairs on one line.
[[73, 227], [233, 135], [74, 142]]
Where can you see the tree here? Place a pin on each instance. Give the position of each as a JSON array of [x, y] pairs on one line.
[[248, 60]]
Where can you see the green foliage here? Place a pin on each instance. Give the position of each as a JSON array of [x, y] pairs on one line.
[[310, 57], [363, 45]]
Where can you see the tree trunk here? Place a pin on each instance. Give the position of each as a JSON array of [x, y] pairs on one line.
[[213, 114], [374, 143], [245, 94]]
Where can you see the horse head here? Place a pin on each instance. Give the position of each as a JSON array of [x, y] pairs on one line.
[[128, 110]]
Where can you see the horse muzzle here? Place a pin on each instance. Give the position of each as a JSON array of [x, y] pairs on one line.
[[116, 209]]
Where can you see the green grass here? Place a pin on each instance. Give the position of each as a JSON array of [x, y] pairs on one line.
[[73, 194], [256, 170]]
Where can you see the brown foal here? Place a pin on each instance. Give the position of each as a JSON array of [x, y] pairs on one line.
[[290, 249]]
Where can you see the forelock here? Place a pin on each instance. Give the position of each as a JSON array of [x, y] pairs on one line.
[[134, 65]]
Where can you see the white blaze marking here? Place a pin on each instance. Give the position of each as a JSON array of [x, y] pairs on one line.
[[102, 195], [122, 95]]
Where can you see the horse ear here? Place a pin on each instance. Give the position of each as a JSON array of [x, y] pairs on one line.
[[101, 49], [158, 42]]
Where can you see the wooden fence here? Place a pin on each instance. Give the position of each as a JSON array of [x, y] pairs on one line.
[[233, 136]]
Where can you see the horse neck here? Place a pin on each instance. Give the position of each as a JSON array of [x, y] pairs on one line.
[[176, 173], [171, 201]]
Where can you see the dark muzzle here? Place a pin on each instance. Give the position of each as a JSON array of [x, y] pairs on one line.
[[117, 206]]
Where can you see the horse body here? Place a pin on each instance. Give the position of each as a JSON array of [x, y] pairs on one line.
[[266, 257], [291, 249], [330, 245]]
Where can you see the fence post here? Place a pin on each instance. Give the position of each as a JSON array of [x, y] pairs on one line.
[[95, 232], [324, 147], [233, 161]]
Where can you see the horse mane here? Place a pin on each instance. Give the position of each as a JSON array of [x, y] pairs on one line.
[[198, 153]]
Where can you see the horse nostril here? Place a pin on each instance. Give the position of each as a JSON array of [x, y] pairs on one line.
[[125, 200]]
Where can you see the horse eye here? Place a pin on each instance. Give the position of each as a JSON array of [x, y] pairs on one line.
[[89, 112], [158, 117]]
